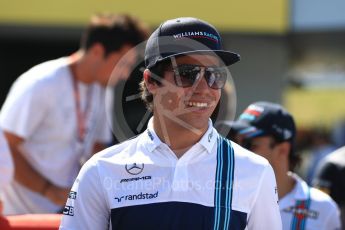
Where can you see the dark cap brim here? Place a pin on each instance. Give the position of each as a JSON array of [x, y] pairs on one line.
[[236, 126], [251, 132], [248, 131]]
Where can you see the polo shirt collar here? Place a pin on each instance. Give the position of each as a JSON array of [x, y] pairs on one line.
[[301, 188], [210, 137], [208, 140], [152, 141]]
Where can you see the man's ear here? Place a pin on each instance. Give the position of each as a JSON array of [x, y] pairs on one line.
[[97, 50], [147, 76], [150, 84], [284, 148]]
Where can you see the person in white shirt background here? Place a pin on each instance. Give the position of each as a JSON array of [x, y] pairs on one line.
[[269, 130], [54, 115], [6, 166]]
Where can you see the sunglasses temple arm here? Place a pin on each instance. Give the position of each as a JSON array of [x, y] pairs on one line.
[[176, 72]]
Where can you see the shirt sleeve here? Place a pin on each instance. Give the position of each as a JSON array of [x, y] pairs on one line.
[[86, 207], [6, 163], [25, 107], [265, 212]]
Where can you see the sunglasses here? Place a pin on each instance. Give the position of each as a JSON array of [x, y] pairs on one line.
[[188, 75]]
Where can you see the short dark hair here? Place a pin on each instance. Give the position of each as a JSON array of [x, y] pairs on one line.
[[113, 31], [157, 72]]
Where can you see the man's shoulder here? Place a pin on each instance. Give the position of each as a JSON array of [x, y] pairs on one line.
[[251, 167], [113, 160], [118, 152], [248, 158], [318, 198], [45, 73], [322, 199]]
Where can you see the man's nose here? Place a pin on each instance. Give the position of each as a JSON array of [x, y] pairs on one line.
[[202, 83]]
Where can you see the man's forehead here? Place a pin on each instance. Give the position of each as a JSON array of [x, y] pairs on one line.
[[261, 138]]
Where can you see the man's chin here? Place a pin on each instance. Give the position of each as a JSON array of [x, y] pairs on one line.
[[199, 123]]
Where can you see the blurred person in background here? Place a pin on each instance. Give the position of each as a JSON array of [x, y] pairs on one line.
[[270, 132], [321, 146], [338, 133], [330, 178], [6, 167], [54, 115]]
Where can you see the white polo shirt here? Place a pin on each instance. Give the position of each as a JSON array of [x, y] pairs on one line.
[[318, 212], [6, 163], [141, 184], [41, 108]]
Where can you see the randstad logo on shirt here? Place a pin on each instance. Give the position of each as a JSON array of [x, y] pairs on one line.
[[140, 196], [197, 34]]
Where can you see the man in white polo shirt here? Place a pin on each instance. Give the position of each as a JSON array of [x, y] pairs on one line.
[[180, 173], [54, 115], [269, 130], [6, 166]]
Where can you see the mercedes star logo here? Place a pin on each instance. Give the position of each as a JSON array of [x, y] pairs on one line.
[[134, 168]]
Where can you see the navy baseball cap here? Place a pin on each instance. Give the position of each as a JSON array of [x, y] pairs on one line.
[[182, 36], [266, 118], [229, 128]]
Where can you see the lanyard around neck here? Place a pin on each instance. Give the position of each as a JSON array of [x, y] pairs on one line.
[[81, 116]]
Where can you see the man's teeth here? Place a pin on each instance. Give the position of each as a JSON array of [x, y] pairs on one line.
[[197, 104]]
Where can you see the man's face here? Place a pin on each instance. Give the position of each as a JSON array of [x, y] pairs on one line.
[[264, 146], [123, 59], [188, 106]]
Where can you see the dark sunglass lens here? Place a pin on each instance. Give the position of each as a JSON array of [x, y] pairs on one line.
[[185, 76], [216, 78]]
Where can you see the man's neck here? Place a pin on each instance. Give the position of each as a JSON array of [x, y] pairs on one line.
[[178, 138], [285, 184], [79, 68]]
